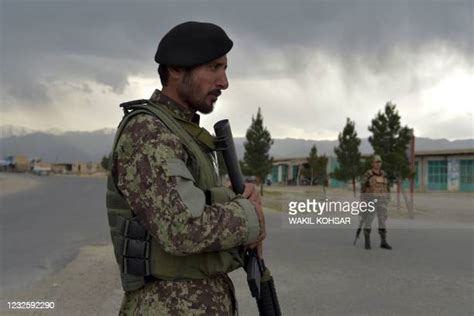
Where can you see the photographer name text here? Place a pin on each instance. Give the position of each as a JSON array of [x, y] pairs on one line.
[[310, 212]]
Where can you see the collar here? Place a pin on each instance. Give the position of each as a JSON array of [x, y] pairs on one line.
[[175, 107], [379, 173]]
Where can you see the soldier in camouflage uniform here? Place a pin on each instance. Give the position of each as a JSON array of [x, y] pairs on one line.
[[375, 187], [155, 196]]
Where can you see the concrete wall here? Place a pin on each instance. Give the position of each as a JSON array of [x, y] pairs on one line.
[[87, 167], [453, 174], [21, 163]]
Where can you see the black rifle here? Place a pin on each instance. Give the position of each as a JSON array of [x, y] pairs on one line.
[[259, 278], [359, 229], [361, 220]]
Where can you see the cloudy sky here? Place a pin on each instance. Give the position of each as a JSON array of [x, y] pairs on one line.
[[307, 64]]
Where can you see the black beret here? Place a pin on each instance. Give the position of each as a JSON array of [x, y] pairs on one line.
[[191, 44]]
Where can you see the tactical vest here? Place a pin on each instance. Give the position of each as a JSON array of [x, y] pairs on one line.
[[378, 184], [139, 255]]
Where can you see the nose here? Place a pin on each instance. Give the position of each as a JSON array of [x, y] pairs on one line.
[[222, 81]]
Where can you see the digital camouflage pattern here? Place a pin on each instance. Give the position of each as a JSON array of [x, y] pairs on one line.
[[368, 217], [150, 188], [375, 187], [196, 297]]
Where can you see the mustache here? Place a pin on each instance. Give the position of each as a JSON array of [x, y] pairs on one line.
[[215, 92]]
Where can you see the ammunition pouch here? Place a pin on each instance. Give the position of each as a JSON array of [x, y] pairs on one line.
[[219, 195], [136, 249]]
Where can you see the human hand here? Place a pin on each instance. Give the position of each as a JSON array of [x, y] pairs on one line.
[[251, 193]]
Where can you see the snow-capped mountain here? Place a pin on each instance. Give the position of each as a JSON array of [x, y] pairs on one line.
[[11, 130], [106, 131], [53, 131], [92, 146]]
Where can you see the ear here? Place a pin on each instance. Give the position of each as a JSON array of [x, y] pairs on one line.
[[176, 73]]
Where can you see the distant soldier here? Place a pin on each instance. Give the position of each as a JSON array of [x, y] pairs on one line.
[[176, 230], [375, 187]]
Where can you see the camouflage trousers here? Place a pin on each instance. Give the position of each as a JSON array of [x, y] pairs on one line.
[[214, 296], [367, 218]]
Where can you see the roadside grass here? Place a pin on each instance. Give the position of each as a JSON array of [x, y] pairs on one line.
[[278, 197]]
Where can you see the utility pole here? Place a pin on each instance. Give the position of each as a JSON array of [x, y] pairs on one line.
[[412, 176]]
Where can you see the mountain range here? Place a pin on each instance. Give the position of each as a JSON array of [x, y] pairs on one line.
[[60, 146]]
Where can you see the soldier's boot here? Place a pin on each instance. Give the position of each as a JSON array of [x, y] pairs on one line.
[[367, 238], [383, 239]]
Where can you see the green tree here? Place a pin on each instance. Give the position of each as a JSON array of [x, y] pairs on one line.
[[315, 167], [390, 140], [105, 162], [244, 169], [348, 155], [321, 173], [311, 165], [257, 160]]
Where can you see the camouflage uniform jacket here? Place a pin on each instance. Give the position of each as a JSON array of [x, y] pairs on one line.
[[153, 193]]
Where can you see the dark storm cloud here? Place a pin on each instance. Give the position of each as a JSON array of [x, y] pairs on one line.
[[366, 34], [108, 41]]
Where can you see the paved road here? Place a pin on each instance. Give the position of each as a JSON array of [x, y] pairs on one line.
[[42, 229], [317, 270]]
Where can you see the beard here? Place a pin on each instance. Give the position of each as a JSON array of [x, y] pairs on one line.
[[194, 97]]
